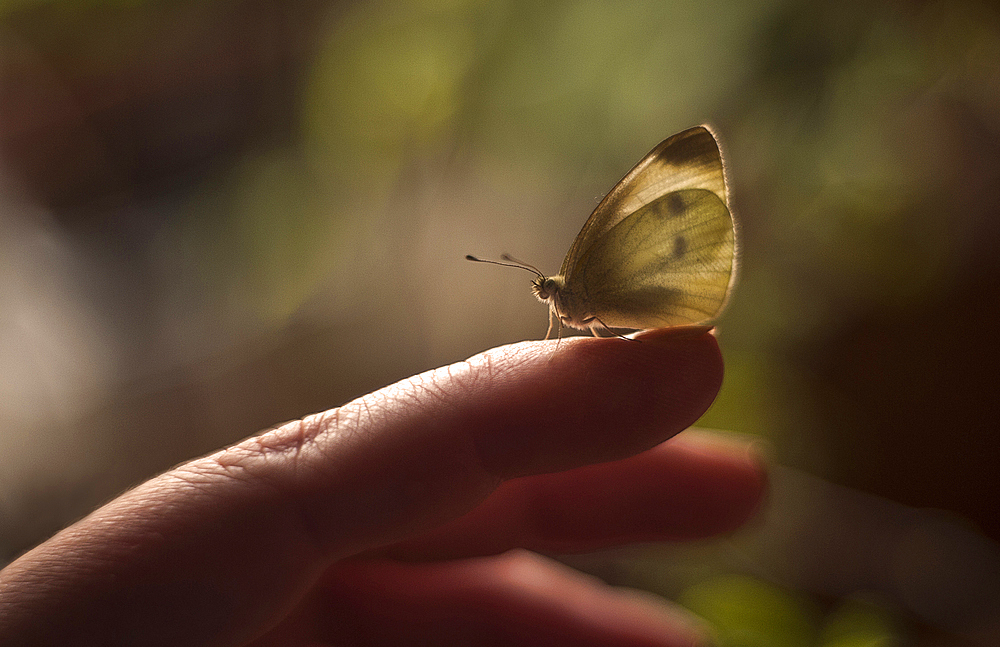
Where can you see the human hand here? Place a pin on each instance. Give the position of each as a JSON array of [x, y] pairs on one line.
[[385, 521]]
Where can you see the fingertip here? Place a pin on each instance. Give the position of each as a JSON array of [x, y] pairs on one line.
[[593, 400], [674, 333], [739, 468]]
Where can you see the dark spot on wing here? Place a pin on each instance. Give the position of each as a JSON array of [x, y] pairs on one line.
[[680, 246], [675, 204]]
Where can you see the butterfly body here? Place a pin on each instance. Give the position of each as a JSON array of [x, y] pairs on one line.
[[571, 309]]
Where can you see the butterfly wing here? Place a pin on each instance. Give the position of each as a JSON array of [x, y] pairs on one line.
[[687, 160], [668, 263]]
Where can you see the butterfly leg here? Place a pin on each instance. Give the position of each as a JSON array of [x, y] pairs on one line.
[[552, 321], [611, 332]]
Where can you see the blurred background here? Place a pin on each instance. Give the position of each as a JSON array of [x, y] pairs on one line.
[[219, 215]]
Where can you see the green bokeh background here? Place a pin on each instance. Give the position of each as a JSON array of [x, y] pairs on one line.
[[219, 215]]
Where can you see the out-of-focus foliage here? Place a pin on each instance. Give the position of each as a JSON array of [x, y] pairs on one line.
[[859, 623], [221, 214], [745, 612], [748, 613]]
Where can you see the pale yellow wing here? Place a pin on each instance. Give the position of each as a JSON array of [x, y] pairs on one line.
[[669, 263], [687, 160]]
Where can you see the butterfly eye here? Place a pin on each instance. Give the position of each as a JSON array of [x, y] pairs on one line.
[[544, 288]]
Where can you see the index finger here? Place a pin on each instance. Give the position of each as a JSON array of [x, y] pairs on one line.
[[429, 448]]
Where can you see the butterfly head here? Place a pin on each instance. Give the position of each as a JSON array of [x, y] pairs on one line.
[[551, 290], [546, 287]]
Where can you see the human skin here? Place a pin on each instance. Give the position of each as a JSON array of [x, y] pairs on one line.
[[392, 519]]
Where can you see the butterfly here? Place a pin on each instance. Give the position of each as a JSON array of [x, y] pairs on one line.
[[658, 251]]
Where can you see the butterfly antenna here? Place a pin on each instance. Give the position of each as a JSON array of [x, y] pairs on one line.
[[519, 263], [509, 262]]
